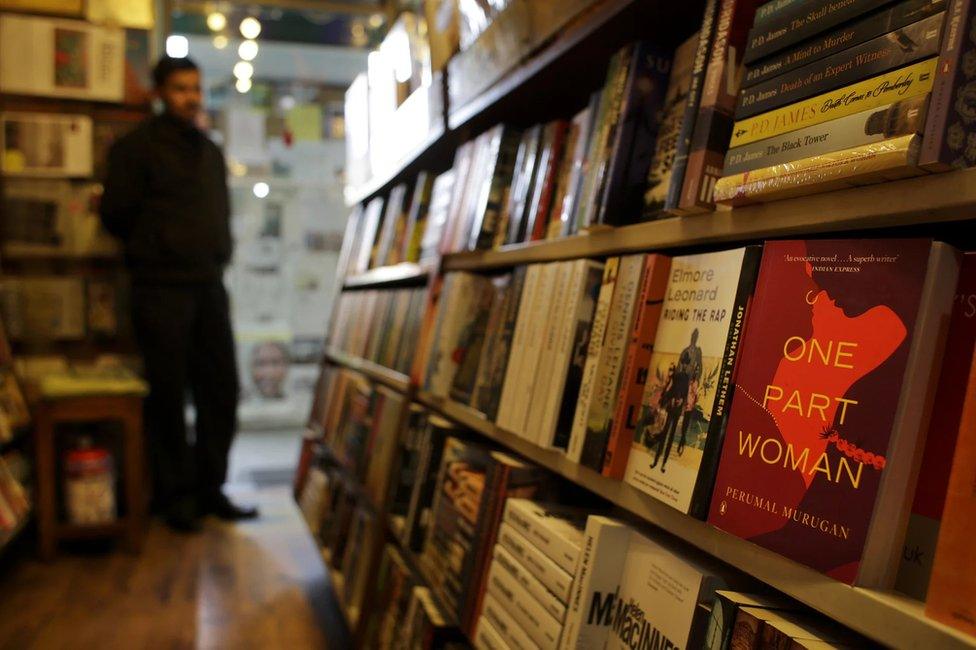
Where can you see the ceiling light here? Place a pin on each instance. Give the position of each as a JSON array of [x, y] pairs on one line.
[[243, 70], [216, 21], [243, 85], [375, 20], [261, 190], [177, 46], [250, 27], [220, 41], [286, 103], [247, 50]]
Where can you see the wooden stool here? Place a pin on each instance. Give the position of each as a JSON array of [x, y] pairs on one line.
[[48, 414]]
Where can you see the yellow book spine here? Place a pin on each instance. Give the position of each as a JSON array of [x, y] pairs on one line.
[[896, 85], [893, 158]]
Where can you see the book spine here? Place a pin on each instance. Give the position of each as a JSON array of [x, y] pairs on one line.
[[943, 146], [531, 584], [841, 38], [597, 584], [901, 118], [487, 637], [685, 134], [527, 612], [601, 316], [510, 631], [536, 562], [562, 550], [516, 352], [491, 206], [886, 160], [772, 10], [554, 320], [624, 422], [702, 493], [538, 318], [501, 358], [540, 224], [894, 49], [910, 81], [804, 20]]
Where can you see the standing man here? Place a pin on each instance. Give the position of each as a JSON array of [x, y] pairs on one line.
[[166, 199]]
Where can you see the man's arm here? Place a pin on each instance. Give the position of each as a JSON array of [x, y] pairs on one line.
[[125, 186]]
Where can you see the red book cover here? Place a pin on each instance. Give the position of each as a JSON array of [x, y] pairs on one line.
[[952, 592], [825, 354], [940, 443], [627, 411]]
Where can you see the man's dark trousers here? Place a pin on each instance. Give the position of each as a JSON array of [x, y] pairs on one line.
[[184, 332]]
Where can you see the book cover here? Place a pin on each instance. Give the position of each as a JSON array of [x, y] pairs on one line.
[[669, 132], [556, 226], [527, 612], [437, 215], [867, 127], [540, 565], [556, 530], [568, 365], [940, 443], [725, 608], [406, 461], [597, 584], [660, 599], [577, 155], [383, 444], [952, 590], [531, 584], [494, 191], [464, 160], [623, 422], [685, 402], [417, 218], [431, 446], [900, 84], [471, 343], [523, 182], [823, 426], [501, 289], [394, 225], [490, 392], [897, 48], [842, 37], [363, 255], [594, 348], [606, 381], [546, 173]]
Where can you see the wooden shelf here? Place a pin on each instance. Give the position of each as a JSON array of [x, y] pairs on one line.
[[949, 196], [886, 617], [391, 378], [91, 531], [406, 273]]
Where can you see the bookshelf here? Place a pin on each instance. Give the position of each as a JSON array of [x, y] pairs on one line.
[[404, 274], [390, 378]]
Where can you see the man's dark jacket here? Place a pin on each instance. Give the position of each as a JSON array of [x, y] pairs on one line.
[[166, 199]]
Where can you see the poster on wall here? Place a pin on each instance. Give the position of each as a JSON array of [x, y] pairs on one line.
[[46, 145], [275, 386], [61, 58]]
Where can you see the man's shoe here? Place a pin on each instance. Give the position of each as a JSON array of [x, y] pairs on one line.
[[223, 508], [182, 517]]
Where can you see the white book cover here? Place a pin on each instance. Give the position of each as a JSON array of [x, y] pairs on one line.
[[504, 419], [532, 351], [593, 351], [683, 376], [486, 637], [597, 584], [508, 629], [530, 583], [565, 275], [527, 611], [658, 603], [550, 574], [580, 303], [556, 530]]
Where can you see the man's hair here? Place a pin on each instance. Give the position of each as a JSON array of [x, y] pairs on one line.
[[167, 65]]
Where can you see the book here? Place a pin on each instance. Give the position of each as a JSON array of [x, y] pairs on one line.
[[940, 442], [594, 348], [606, 381], [583, 122], [540, 565], [555, 530], [407, 459], [512, 634], [883, 89], [523, 181], [383, 444], [546, 173], [363, 255], [952, 589], [394, 226], [486, 637], [417, 217], [441, 193], [801, 21], [890, 159], [38, 308], [813, 466], [45, 145], [669, 133], [597, 584], [468, 352], [431, 448], [685, 403], [640, 343], [844, 36], [493, 369], [527, 612], [874, 125], [905, 45], [502, 149], [771, 10], [519, 375], [477, 365], [725, 609], [532, 585], [661, 599], [556, 225], [633, 136], [948, 125]]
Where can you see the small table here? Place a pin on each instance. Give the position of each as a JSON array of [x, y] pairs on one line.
[[53, 408]]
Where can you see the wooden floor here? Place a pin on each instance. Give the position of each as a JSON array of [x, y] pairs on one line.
[[253, 585]]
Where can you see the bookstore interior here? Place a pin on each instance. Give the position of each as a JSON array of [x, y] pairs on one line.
[[511, 294]]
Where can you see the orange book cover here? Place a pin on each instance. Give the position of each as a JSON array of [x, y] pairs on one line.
[[952, 590], [624, 423]]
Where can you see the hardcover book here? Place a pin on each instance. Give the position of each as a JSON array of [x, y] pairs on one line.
[[831, 402], [686, 397]]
